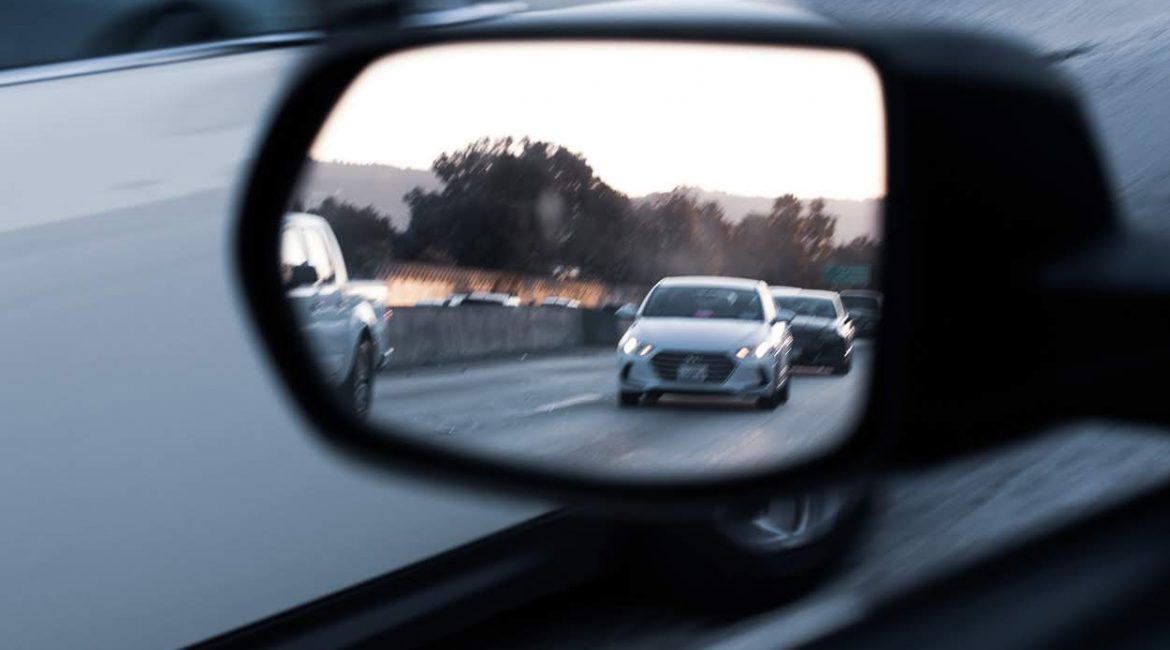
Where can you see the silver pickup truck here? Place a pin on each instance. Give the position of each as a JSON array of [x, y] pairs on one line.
[[346, 325]]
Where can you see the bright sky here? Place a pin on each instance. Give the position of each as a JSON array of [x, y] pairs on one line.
[[749, 120]]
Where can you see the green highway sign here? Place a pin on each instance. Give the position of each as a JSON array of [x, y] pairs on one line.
[[851, 275]]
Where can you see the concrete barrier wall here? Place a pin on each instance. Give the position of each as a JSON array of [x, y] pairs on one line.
[[433, 335]]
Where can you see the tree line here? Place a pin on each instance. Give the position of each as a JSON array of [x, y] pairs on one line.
[[538, 208]]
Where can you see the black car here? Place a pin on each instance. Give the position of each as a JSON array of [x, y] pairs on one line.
[[865, 308], [822, 328]]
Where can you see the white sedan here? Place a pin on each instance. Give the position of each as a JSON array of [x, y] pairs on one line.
[[706, 335]]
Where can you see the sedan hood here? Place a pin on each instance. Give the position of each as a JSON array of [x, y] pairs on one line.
[[699, 334]]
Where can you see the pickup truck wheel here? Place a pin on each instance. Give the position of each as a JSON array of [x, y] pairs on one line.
[[358, 389]]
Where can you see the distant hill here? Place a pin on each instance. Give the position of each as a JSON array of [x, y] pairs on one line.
[[383, 187]]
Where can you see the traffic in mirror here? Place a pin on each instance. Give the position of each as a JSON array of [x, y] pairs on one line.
[[616, 257]]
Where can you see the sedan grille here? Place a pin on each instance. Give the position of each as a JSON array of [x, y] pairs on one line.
[[719, 366]]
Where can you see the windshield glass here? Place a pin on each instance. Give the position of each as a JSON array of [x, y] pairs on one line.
[[806, 306], [860, 302], [704, 302]]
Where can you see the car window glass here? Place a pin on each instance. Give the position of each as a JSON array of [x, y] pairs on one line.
[[318, 255], [815, 307], [540, 210], [704, 302], [859, 302]]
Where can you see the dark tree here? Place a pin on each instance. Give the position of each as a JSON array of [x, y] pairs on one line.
[[676, 234], [366, 236], [787, 246], [862, 251], [520, 206], [535, 207]]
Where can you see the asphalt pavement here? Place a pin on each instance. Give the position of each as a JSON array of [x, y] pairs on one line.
[[563, 408]]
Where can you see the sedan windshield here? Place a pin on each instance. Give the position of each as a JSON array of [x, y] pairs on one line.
[[860, 302], [805, 306], [704, 302]]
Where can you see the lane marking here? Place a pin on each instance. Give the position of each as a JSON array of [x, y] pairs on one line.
[[565, 403]]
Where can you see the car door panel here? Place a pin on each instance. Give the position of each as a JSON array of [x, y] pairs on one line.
[[156, 486]]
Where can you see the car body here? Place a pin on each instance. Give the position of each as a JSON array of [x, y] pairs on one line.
[[347, 332], [560, 301], [821, 328], [865, 308], [706, 334], [165, 403]]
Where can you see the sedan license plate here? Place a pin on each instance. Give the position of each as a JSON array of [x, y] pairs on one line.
[[692, 372]]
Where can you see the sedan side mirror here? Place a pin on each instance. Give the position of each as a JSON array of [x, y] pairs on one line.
[[626, 312]]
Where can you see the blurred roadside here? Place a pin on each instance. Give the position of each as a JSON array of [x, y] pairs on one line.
[[34, 32], [37, 32]]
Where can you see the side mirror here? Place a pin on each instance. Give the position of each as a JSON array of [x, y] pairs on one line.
[[785, 315], [302, 275], [626, 312], [992, 139]]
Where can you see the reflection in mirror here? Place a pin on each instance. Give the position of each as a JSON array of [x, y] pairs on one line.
[[615, 257]]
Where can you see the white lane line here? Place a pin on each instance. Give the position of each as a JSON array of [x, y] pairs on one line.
[[565, 403]]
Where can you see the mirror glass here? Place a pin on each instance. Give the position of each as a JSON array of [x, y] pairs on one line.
[[604, 256]]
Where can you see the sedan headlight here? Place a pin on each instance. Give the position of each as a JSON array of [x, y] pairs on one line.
[[629, 344], [762, 350]]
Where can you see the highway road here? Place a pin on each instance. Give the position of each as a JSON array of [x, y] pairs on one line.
[[563, 408]]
